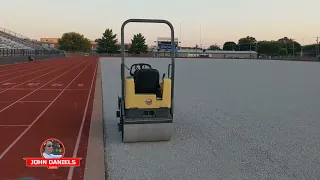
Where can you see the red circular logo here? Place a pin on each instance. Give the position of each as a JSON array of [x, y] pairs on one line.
[[148, 102]]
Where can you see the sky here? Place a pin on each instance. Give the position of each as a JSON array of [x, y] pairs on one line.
[[199, 22]]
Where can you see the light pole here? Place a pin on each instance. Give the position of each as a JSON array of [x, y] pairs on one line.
[[301, 54], [200, 37], [293, 48], [250, 50], [180, 36], [293, 52], [155, 48], [317, 47]]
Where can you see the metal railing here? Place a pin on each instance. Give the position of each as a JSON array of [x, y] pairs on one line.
[[14, 34], [21, 39]]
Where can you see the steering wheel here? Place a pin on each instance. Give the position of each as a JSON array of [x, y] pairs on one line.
[[139, 66]]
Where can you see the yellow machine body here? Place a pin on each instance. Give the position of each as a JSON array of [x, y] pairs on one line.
[[134, 100]]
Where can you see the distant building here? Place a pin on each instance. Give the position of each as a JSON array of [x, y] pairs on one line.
[[163, 48], [54, 43], [50, 42], [218, 54], [94, 45]]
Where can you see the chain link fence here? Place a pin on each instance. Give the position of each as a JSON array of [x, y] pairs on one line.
[[27, 52], [13, 56]]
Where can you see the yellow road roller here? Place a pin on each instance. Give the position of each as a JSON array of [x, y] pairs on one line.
[[145, 106]]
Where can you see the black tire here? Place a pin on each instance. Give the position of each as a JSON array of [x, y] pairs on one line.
[[122, 134], [119, 103]]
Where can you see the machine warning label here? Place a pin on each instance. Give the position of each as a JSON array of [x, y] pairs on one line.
[[148, 102]]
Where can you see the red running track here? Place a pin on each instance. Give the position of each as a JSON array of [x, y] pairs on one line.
[[41, 100]]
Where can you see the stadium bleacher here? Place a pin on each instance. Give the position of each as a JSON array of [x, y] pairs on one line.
[[12, 40], [13, 44]]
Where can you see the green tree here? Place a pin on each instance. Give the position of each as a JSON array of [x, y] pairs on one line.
[[310, 48], [246, 43], [283, 52], [230, 46], [297, 47], [108, 42], [285, 40], [74, 42], [214, 47], [138, 44], [288, 43], [270, 48]]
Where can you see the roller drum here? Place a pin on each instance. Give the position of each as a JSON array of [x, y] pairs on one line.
[[147, 132]]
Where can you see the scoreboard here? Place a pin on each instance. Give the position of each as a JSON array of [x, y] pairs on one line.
[[166, 45]]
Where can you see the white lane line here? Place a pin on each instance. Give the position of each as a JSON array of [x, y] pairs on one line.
[[15, 66], [35, 78], [70, 174], [19, 68], [7, 84], [13, 69], [35, 101], [77, 89], [38, 88], [24, 101], [25, 74], [33, 84], [19, 125], [40, 66], [26, 130], [29, 89], [19, 89]]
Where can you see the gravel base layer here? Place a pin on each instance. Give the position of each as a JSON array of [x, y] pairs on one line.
[[234, 119]]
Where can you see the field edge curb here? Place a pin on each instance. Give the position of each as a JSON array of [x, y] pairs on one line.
[[95, 164]]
